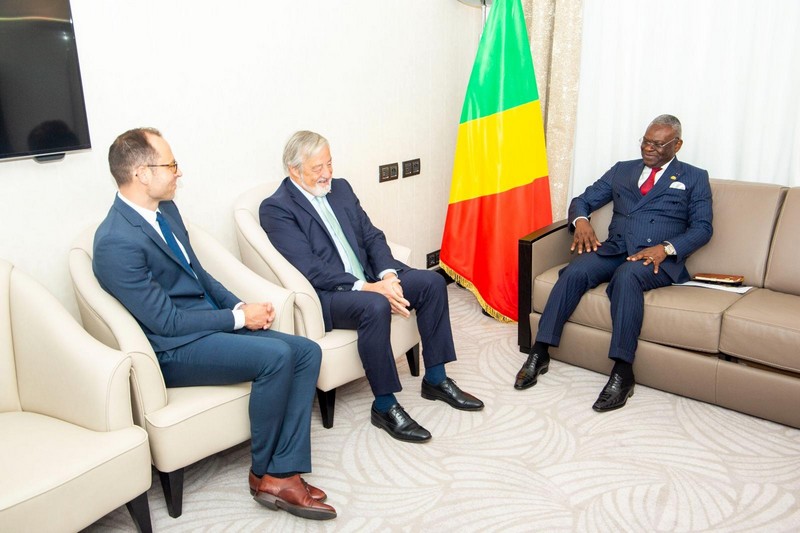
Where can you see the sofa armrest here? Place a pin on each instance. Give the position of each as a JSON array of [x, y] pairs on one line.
[[242, 281], [539, 251]]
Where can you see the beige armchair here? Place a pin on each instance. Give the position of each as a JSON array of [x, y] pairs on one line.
[[340, 361], [69, 452], [185, 424]]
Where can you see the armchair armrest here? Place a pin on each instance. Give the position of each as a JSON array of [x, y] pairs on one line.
[[63, 372], [242, 281], [539, 251]]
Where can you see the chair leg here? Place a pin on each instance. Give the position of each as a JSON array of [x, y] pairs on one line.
[[172, 483], [140, 512], [327, 399], [413, 359]]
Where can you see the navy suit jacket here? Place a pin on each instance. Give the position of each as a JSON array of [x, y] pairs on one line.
[[135, 265], [677, 209], [296, 230]]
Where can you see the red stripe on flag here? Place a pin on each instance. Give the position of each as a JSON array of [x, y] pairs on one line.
[[480, 241]]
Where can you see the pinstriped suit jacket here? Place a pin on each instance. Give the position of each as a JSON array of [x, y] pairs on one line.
[[677, 209]]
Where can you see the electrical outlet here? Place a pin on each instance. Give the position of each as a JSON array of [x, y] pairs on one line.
[[411, 167], [432, 259], [387, 172]]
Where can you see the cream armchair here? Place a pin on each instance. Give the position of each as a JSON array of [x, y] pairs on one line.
[[340, 361], [69, 452], [185, 424]]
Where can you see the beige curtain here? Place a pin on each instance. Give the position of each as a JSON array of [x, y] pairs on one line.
[[554, 27]]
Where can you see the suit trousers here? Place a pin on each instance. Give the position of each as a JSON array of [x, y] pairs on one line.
[[370, 314], [283, 369], [628, 281]]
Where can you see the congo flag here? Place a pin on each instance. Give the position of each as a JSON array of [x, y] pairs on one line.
[[500, 190]]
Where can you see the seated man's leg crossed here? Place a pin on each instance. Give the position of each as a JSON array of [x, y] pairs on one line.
[[203, 334]]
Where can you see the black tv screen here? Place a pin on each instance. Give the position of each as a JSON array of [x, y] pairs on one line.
[[42, 111]]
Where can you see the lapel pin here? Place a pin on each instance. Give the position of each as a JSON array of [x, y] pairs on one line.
[[673, 178]]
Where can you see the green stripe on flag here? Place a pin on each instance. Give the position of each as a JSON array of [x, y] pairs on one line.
[[502, 74]]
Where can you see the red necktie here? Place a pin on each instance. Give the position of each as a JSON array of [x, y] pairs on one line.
[[650, 181]]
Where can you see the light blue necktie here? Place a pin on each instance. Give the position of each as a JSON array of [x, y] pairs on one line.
[[358, 270], [173, 245]]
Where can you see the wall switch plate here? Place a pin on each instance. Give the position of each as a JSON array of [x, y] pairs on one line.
[[411, 167], [388, 172], [432, 259]]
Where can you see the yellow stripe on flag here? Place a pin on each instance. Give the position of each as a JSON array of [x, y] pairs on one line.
[[511, 141]]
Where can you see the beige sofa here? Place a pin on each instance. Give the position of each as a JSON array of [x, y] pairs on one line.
[[740, 351]]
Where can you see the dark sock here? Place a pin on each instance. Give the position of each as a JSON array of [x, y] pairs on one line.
[[540, 347], [282, 475], [435, 374], [383, 402], [625, 370]]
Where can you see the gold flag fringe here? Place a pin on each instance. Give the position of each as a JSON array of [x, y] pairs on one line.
[[467, 284]]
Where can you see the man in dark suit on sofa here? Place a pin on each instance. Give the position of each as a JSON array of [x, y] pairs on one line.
[[201, 333], [318, 224], [662, 214]]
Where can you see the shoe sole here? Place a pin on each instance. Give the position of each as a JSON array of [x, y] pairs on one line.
[[387, 430], [607, 409], [253, 493], [274, 503], [541, 372], [429, 396]]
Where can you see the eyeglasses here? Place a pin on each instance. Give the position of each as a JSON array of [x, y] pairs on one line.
[[173, 167], [653, 144]]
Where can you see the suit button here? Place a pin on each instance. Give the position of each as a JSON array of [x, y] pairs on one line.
[[649, 240]]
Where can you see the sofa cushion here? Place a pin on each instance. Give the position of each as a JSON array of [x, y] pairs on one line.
[[783, 274], [678, 316], [764, 327], [744, 219]]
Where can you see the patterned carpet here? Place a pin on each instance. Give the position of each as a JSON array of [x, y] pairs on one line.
[[537, 460]]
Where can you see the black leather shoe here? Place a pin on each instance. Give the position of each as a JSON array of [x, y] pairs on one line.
[[537, 363], [399, 425], [614, 394], [448, 392]]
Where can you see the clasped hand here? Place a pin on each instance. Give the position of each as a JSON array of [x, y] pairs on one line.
[[390, 287], [258, 316]]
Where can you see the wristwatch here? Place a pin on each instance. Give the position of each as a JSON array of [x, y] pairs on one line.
[[668, 248]]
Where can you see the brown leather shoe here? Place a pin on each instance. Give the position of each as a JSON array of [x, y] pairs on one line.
[[316, 493], [291, 495]]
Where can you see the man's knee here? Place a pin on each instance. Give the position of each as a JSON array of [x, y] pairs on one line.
[[376, 306]]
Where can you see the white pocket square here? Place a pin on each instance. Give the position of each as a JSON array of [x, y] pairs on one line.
[[677, 185]]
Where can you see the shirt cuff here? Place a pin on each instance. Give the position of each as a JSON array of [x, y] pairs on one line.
[[238, 316], [577, 219], [387, 271], [358, 285]]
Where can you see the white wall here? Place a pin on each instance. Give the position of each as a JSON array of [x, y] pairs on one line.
[[227, 83]]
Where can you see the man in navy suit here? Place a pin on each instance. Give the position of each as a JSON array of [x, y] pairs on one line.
[[662, 214], [201, 333], [318, 224]]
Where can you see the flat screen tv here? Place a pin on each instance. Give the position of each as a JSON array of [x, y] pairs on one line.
[[42, 110]]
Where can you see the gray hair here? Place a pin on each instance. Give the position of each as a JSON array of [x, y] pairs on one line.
[[668, 120], [301, 146], [130, 150]]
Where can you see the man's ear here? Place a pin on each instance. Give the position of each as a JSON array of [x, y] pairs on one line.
[[294, 173], [142, 174]]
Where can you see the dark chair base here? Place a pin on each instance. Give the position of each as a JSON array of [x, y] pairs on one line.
[[140, 512], [172, 483], [327, 399]]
